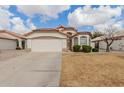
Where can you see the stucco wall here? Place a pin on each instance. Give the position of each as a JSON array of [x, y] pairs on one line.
[[92, 44], [7, 44], [64, 43], [29, 43], [54, 34]]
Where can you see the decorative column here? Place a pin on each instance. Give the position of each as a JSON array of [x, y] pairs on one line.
[[78, 40], [20, 43]]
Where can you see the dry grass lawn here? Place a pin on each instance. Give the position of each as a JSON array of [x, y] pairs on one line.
[[92, 70]]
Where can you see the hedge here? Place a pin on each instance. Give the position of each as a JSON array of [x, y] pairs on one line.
[[76, 48], [86, 48], [95, 50]]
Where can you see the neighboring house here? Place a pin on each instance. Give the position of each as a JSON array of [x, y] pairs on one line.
[[117, 45], [8, 40], [56, 39]]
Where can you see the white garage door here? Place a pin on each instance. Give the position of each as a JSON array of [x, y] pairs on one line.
[[7, 44], [46, 45]]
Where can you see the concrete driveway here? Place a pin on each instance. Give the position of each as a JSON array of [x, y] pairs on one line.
[[31, 70]]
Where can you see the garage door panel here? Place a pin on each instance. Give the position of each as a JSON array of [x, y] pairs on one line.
[[46, 45], [7, 44]]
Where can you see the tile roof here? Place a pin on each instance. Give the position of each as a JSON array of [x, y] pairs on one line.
[[10, 35], [97, 39], [66, 28], [5, 36], [101, 38], [83, 33], [117, 35], [44, 30]]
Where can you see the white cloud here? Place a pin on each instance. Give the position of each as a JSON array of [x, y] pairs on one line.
[[5, 6], [93, 16], [15, 24], [46, 12], [31, 26], [119, 25], [20, 27], [5, 17]]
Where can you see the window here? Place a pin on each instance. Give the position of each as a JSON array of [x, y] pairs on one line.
[[75, 41], [83, 40]]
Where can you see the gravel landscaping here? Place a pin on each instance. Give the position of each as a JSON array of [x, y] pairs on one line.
[[92, 70]]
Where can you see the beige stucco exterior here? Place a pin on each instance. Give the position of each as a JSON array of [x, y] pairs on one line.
[[65, 35], [47, 34]]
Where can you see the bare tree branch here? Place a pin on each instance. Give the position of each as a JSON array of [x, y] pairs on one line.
[[108, 35]]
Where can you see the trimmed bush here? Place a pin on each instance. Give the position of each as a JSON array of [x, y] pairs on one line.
[[95, 50], [86, 48], [76, 48], [18, 48]]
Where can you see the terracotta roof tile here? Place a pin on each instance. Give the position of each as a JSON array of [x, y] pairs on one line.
[[44, 30], [101, 38], [83, 33], [12, 34], [6, 36], [66, 28]]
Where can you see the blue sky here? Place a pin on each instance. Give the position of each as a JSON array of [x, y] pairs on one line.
[[84, 18]]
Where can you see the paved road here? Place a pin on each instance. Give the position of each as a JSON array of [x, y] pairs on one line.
[[31, 70]]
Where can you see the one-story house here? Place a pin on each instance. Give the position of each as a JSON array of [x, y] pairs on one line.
[[56, 39], [8, 40], [45, 39], [117, 45]]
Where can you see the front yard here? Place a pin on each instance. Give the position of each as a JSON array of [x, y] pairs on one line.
[[94, 69]]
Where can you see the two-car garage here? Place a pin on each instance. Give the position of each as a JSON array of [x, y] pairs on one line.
[[46, 45], [46, 41]]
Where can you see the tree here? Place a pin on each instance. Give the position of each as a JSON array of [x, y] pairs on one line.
[[108, 36], [96, 34]]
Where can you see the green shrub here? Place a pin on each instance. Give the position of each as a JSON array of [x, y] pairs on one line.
[[86, 48], [76, 48], [95, 50], [18, 48]]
